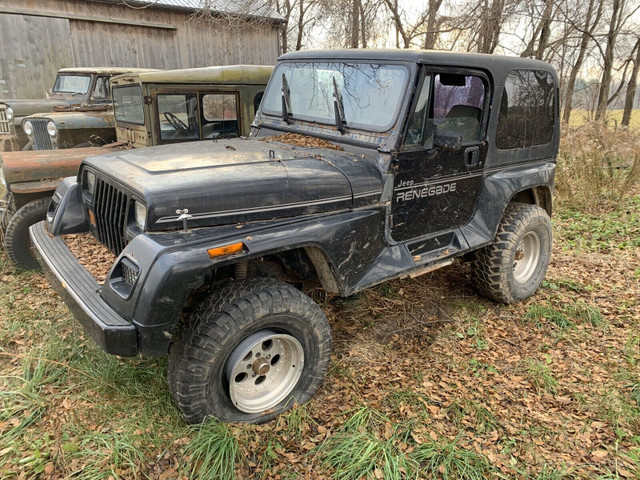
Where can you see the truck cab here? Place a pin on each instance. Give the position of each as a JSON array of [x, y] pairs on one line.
[[187, 105], [73, 88]]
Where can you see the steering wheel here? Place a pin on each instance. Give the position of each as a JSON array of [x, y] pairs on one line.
[[175, 122]]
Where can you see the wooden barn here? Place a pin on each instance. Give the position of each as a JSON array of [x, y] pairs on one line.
[[38, 37]]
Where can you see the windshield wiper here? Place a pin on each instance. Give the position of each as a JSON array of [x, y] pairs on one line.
[[338, 108], [286, 100]]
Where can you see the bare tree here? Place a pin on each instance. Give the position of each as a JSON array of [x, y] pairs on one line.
[[617, 21], [631, 87], [542, 29], [587, 29], [432, 24]]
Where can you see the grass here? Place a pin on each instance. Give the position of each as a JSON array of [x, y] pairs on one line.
[[540, 376], [465, 389], [447, 459], [213, 452], [542, 314]]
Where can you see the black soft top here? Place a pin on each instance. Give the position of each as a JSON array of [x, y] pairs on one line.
[[498, 65]]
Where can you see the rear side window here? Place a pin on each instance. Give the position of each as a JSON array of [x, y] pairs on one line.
[[527, 110]]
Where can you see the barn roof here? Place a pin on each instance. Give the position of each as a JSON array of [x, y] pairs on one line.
[[250, 8]]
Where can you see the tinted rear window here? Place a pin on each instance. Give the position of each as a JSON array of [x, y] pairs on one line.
[[527, 110]]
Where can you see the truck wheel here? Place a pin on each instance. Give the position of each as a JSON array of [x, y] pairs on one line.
[[7, 209], [513, 266], [248, 353], [17, 242]]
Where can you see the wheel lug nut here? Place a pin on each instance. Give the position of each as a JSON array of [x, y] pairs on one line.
[[268, 357]]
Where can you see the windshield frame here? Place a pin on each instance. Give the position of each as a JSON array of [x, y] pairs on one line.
[[67, 92], [274, 88]]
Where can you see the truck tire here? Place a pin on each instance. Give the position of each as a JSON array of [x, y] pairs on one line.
[[7, 209], [17, 242], [248, 353], [514, 265]]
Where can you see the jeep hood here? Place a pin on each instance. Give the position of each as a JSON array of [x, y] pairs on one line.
[[238, 180], [39, 165], [74, 120], [28, 106]]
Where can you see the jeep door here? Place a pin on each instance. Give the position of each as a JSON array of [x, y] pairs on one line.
[[438, 170]]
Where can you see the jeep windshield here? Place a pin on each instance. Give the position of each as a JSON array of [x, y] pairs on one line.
[[127, 104], [76, 84], [366, 95]]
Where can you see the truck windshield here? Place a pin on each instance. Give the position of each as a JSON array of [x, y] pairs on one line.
[[72, 84], [370, 93], [127, 104]]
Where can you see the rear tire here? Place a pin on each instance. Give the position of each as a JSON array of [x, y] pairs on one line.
[[514, 265], [248, 353], [17, 242]]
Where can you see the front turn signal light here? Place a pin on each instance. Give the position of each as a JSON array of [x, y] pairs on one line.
[[226, 250]]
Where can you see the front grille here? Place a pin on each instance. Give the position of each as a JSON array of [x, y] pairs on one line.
[[5, 126], [112, 210], [41, 138]]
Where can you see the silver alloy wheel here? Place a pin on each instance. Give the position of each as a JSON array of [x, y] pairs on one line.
[[263, 369], [526, 257]]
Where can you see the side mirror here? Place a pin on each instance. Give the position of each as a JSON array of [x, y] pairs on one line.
[[447, 139]]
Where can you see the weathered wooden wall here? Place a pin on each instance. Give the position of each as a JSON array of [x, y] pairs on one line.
[[33, 48]]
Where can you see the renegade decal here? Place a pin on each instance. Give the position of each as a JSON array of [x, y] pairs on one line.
[[424, 192]]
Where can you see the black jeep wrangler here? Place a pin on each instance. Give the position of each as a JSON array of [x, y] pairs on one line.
[[363, 166]]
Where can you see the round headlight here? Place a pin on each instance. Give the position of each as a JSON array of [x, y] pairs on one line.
[[141, 215], [9, 113], [52, 129], [91, 181], [27, 127]]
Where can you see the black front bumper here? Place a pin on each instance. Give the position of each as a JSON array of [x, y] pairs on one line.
[[80, 292]]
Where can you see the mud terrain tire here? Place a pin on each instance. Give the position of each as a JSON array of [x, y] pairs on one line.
[[17, 242], [210, 355], [514, 265]]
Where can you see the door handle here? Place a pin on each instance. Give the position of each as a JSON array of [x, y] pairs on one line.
[[472, 157]]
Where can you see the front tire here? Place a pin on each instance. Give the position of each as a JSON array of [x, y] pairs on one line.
[[248, 353], [17, 242], [514, 265]]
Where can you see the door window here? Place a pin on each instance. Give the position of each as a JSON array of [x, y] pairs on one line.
[[219, 115], [454, 113], [177, 116], [457, 106]]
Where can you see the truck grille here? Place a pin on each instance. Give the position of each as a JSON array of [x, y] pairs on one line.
[[112, 210], [41, 138], [5, 127]]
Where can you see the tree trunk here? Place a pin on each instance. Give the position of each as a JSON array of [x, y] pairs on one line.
[[392, 5], [300, 25], [432, 21], [589, 26], [355, 24], [605, 84], [631, 88]]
